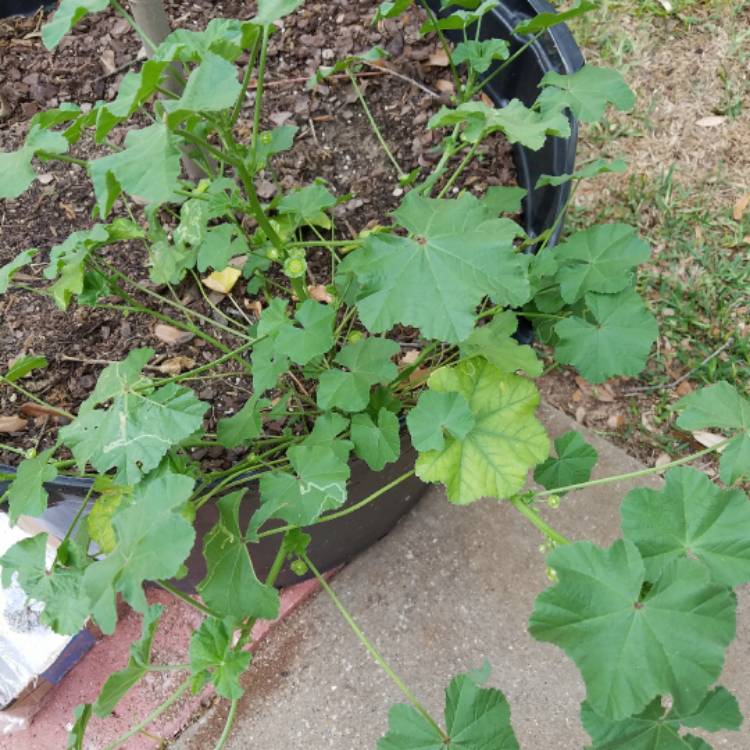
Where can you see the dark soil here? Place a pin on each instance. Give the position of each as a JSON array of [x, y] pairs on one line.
[[334, 142]]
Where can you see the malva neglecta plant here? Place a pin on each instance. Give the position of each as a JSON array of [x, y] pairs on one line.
[[647, 621]]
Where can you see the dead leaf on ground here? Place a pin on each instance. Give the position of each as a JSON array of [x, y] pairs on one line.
[[617, 422], [222, 281], [707, 439], [444, 86], [581, 414], [420, 375], [320, 293], [254, 306], [410, 357], [604, 393], [712, 121], [663, 459], [12, 424], [684, 388], [170, 335], [176, 365], [107, 59], [30, 409], [740, 207], [438, 59]]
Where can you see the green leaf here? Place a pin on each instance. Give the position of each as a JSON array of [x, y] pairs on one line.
[[459, 19], [493, 458], [211, 87], [692, 517], [391, 9], [435, 413], [313, 339], [658, 729], [134, 90], [476, 718], [244, 426], [231, 587], [153, 540], [222, 243], [22, 259], [376, 444], [617, 343], [16, 172], [495, 342], [66, 607], [272, 142], [594, 169], [369, 362], [26, 494], [632, 647], [99, 518], [226, 37], [67, 15], [457, 253], [544, 21], [503, 199], [148, 168], [82, 715], [137, 430], [516, 121], [599, 259], [308, 204], [574, 462], [268, 365], [212, 654], [721, 405], [586, 92], [273, 10], [24, 365], [193, 220], [480, 55], [120, 682]]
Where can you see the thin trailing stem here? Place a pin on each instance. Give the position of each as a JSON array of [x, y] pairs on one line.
[[445, 45], [155, 714], [400, 684], [259, 90], [533, 516], [470, 154], [374, 125], [142, 35], [245, 84], [35, 399], [635, 474], [189, 600], [228, 724]]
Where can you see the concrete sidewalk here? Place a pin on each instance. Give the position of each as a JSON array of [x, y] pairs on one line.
[[447, 589]]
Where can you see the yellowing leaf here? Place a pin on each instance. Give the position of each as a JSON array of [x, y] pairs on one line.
[[223, 281]]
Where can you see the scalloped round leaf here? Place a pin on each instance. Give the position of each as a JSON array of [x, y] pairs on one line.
[[494, 457], [617, 343], [658, 729], [212, 653], [692, 517], [631, 647], [376, 443], [27, 494], [434, 413], [599, 259], [273, 10], [16, 172], [480, 55], [587, 92], [67, 15], [574, 462]]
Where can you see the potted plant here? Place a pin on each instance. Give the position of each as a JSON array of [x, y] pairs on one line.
[[448, 274]]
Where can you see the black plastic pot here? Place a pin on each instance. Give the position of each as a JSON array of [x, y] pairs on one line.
[[337, 541], [22, 7]]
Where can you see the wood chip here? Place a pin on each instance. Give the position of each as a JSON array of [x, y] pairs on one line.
[[107, 59], [617, 422], [176, 365], [170, 335], [740, 207], [707, 439], [320, 293], [444, 86], [713, 121], [12, 424], [662, 459], [438, 59], [410, 357], [684, 388]]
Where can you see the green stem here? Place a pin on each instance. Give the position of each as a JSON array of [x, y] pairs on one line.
[[11, 449], [374, 125], [444, 44], [34, 398], [155, 714], [228, 724], [168, 668], [448, 151], [373, 651], [259, 90], [47, 156], [189, 600], [346, 511], [530, 514], [191, 374], [299, 288], [75, 520], [459, 169], [635, 474], [245, 84]]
